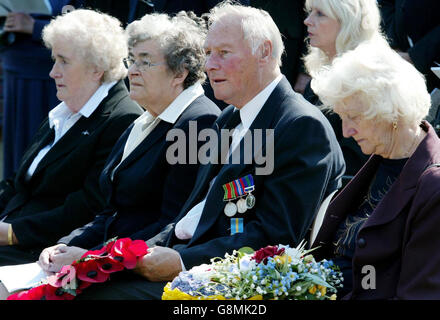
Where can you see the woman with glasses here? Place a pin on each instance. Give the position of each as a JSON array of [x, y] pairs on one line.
[[144, 190]]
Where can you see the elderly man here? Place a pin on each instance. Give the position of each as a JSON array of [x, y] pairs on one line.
[[244, 49]]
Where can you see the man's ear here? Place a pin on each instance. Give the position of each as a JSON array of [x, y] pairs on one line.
[[266, 51], [180, 77]]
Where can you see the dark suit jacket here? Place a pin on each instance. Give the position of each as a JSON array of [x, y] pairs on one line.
[[308, 166], [147, 192], [400, 239], [63, 192], [419, 20]]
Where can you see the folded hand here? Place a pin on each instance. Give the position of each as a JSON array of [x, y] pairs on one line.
[[160, 264]]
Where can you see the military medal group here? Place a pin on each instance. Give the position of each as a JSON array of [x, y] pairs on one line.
[[240, 189]]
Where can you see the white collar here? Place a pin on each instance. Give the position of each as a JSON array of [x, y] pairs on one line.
[[175, 109], [183, 100], [250, 110], [62, 111]]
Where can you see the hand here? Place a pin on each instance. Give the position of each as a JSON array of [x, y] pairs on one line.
[[301, 82], [160, 264], [52, 259], [19, 22], [405, 56]]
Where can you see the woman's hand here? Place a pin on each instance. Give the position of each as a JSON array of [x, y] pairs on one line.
[[19, 22], [52, 259]]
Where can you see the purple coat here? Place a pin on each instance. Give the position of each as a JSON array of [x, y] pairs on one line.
[[401, 238]]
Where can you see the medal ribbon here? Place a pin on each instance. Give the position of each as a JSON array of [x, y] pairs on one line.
[[238, 188]]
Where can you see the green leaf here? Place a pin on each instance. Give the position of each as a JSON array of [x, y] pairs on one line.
[[246, 250], [317, 280], [70, 291]]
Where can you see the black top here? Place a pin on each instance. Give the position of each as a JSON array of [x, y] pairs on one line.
[[345, 238]]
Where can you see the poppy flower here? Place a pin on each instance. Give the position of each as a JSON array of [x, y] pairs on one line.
[[89, 271], [53, 293], [65, 276], [36, 293], [109, 265], [128, 252]]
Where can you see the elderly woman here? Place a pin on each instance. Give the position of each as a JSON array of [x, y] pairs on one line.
[[382, 229], [145, 191], [335, 27], [56, 188]]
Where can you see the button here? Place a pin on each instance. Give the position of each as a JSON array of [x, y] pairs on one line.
[[361, 243]]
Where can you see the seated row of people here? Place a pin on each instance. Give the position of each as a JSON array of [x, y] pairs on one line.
[[385, 217]]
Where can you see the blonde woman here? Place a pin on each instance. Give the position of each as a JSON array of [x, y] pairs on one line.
[[335, 27]]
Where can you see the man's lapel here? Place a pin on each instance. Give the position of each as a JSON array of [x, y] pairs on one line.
[[214, 203]]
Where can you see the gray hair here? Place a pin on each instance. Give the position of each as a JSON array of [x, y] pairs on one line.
[[97, 37], [359, 20], [257, 25], [180, 39], [390, 87]]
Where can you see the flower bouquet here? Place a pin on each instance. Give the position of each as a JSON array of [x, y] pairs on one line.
[[273, 272], [93, 267]]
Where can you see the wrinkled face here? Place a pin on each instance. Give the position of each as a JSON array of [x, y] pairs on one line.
[[322, 31], [75, 80], [373, 136], [231, 67], [150, 86]]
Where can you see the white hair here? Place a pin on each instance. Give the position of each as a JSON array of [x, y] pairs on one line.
[[180, 38], [390, 88], [359, 21], [257, 25], [97, 37]]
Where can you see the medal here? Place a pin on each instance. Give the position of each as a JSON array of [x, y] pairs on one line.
[[239, 188], [242, 205], [250, 201], [230, 209]]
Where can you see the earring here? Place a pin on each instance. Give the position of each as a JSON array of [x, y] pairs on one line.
[[394, 125]]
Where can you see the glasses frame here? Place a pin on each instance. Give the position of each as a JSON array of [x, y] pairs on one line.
[[140, 65]]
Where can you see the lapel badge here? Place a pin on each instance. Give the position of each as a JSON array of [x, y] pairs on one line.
[[85, 133]]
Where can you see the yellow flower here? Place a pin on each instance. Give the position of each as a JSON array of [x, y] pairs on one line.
[[333, 296], [323, 290], [283, 259], [312, 290]]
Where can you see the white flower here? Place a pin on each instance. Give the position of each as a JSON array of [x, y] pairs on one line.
[[294, 254], [246, 263]]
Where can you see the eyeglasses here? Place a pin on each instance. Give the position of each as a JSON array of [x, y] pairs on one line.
[[142, 65]]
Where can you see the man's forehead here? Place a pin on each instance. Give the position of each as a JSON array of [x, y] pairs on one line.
[[222, 34]]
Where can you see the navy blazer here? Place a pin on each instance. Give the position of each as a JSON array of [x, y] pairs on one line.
[[308, 165], [63, 193], [146, 192], [400, 239]]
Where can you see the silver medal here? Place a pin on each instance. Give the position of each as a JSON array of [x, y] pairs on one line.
[[230, 209], [241, 205], [250, 201]]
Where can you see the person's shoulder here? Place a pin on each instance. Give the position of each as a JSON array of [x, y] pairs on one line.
[[201, 109], [202, 105]]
